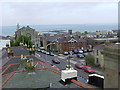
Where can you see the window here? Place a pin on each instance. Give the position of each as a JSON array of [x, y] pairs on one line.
[[97, 60], [97, 52]]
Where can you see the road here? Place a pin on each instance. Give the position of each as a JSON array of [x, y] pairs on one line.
[[64, 62], [47, 58]]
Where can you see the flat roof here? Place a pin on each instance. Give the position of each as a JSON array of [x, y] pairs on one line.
[[106, 39]]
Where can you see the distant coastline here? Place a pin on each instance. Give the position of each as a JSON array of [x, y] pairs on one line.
[[10, 30]]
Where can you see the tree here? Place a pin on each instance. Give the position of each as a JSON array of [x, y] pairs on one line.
[[12, 43], [85, 32], [23, 39], [90, 59], [8, 36]]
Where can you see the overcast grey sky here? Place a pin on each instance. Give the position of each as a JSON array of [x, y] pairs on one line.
[[45, 13]]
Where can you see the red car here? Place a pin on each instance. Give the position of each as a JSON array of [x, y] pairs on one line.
[[88, 69], [55, 67], [55, 60], [79, 66]]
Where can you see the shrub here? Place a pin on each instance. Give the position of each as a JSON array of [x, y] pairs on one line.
[[90, 59]]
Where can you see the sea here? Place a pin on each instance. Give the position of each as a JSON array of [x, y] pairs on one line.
[[10, 30]]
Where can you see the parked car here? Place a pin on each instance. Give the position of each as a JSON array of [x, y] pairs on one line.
[[88, 69], [80, 55], [55, 67], [80, 51], [55, 60], [43, 51], [75, 51], [47, 53], [77, 65], [51, 54], [85, 54], [89, 50], [84, 50], [65, 53], [38, 50], [70, 52]]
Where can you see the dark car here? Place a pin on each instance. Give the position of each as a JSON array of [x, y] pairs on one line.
[[89, 50], [56, 61], [80, 55], [79, 66], [84, 51]]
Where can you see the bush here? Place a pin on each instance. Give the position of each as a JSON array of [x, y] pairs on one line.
[[90, 59], [22, 39]]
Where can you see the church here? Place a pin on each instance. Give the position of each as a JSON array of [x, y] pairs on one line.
[[30, 33]]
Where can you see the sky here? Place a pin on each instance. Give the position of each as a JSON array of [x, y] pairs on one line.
[[49, 13]]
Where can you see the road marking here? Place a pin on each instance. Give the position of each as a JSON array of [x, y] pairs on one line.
[[74, 62]]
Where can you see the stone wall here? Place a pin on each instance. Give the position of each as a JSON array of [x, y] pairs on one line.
[[111, 69]]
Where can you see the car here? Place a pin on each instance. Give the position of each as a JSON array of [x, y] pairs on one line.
[[51, 54], [55, 67], [55, 60], [80, 55], [47, 53], [85, 54], [89, 50], [80, 51], [88, 69], [84, 51], [75, 51], [38, 50], [70, 52], [79, 65], [43, 51], [65, 53]]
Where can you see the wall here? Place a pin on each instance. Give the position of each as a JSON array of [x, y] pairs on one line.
[[111, 71], [3, 43]]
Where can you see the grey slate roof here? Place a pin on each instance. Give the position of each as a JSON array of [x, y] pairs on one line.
[[40, 79], [3, 37], [99, 47]]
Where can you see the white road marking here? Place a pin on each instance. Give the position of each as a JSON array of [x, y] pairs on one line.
[[74, 62]]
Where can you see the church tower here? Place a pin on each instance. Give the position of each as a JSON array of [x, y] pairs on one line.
[[18, 26]]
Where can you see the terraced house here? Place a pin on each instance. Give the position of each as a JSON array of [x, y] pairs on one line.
[[67, 43]]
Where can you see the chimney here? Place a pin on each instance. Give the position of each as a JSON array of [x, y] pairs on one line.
[[65, 37], [70, 32]]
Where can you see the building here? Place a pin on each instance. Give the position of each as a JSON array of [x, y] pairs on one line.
[[99, 60], [69, 43], [112, 66], [30, 33], [3, 42]]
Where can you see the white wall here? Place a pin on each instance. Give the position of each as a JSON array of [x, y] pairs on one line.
[[3, 43]]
